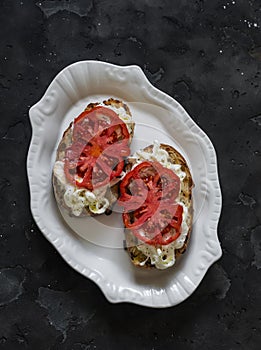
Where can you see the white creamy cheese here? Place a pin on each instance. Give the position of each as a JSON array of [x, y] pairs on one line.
[[59, 172], [79, 198], [164, 256]]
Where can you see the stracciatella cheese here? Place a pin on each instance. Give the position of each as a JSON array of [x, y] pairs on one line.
[[163, 256], [79, 198]]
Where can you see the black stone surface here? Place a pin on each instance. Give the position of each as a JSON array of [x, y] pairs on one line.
[[207, 55]]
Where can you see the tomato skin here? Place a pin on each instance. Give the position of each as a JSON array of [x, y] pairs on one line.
[[100, 142], [148, 194]]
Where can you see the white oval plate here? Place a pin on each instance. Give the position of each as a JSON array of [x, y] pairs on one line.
[[157, 116]]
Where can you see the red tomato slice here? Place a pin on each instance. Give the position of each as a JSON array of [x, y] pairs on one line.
[[163, 227], [148, 194], [100, 142]]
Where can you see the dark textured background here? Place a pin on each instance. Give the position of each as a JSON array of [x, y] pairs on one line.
[[207, 55]]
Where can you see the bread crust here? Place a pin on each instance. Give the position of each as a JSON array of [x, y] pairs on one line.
[[112, 192], [135, 254]]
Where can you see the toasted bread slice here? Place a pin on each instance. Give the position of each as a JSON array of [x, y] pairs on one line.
[[138, 258], [59, 182]]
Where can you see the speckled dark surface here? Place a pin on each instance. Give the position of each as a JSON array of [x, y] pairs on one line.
[[207, 55]]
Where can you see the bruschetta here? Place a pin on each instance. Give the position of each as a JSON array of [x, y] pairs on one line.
[[90, 158], [156, 196]]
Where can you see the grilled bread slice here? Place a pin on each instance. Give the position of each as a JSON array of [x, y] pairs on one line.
[[107, 195], [138, 256]]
